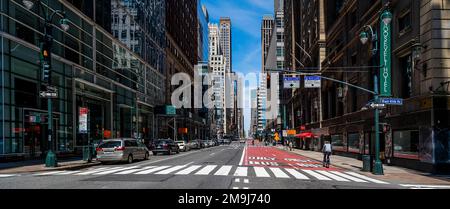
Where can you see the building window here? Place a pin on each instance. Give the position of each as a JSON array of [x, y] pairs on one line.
[[280, 52], [406, 144], [353, 142], [404, 23], [337, 142]]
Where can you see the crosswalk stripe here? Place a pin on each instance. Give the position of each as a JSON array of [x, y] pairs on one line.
[[49, 173], [261, 172], [7, 175], [66, 173], [241, 171], [151, 170], [206, 170], [348, 177], [296, 174], [279, 173], [316, 175], [330, 175], [170, 170], [366, 178], [223, 171], [114, 170], [95, 171], [189, 170], [134, 170]]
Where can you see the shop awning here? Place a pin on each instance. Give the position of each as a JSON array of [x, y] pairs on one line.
[[306, 135]]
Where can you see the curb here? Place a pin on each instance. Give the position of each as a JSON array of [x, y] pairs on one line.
[[68, 167]]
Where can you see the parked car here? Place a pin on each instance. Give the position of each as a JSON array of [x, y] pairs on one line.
[[182, 145], [193, 145], [118, 150], [242, 141], [220, 141], [227, 141], [205, 144], [167, 146]]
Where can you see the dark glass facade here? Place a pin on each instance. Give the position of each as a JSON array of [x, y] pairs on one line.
[[91, 69]]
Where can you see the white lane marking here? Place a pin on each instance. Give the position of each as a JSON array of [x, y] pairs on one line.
[[49, 173], [245, 188], [189, 170], [366, 178], [223, 171], [95, 171], [316, 175], [330, 175], [261, 172], [244, 151], [237, 180], [151, 170], [296, 174], [206, 170], [114, 170], [279, 173], [67, 173], [426, 186], [134, 170], [7, 175], [170, 170], [235, 187], [348, 177], [241, 171], [246, 181], [212, 154]]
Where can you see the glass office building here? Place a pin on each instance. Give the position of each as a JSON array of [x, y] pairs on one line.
[[113, 71]]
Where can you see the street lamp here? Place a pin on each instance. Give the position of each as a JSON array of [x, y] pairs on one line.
[[366, 34], [46, 45]]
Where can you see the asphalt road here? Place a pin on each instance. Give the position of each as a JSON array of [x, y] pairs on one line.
[[222, 167]]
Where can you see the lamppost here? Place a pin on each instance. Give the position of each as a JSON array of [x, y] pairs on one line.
[[385, 57], [46, 46]]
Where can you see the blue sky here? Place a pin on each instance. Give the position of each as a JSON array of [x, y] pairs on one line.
[[246, 16]]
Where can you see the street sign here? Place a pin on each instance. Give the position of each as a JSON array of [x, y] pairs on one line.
[[291, 82], [378, 106], [52, 89], [313, 81], [285, 133], [45, 94], [392, 101]]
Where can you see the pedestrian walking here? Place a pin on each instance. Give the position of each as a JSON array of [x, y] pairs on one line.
[[327, 149], [290, 146]]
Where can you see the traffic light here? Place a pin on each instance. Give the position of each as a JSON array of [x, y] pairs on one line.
[[46, 59], [268, 81]]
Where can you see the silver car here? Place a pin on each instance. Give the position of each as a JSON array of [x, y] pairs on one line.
[[118, 150], [183, 146]]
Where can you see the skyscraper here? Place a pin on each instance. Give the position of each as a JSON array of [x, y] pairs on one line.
[[226, 42], [217, 62], [267, 24]]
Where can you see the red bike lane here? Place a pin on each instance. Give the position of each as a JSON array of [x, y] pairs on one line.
[[260, 156]]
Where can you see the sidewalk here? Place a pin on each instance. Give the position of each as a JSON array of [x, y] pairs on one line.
[[391, 173], [31, 166]]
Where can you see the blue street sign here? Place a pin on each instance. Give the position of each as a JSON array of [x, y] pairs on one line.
[[392, 101], [292, 82], [313, 81]]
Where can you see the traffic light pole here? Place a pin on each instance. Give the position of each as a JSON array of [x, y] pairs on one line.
[[51, 159]]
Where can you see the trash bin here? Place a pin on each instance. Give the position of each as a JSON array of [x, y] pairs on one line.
[[87, 154], [366, 163]]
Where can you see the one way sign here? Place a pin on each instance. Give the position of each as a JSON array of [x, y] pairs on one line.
[[45, 94]]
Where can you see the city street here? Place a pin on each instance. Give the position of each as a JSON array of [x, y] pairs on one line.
[[235, 166]]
